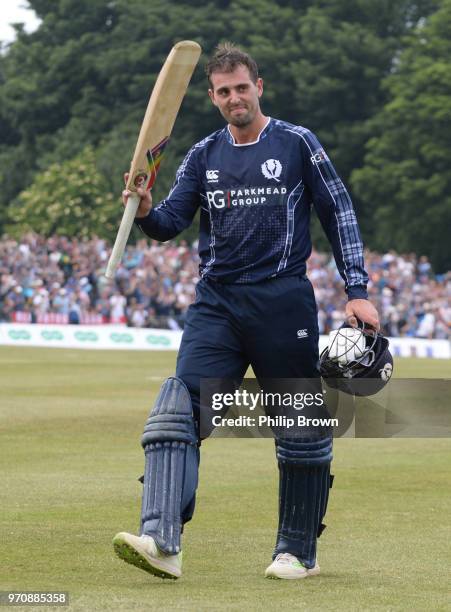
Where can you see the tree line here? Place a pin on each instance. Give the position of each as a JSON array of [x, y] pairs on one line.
[[371, 78]]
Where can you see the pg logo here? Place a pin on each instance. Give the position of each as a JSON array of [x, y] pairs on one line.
[[216, 199], [318, 157]]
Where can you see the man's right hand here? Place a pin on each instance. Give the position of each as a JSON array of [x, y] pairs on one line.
[[145, 203]]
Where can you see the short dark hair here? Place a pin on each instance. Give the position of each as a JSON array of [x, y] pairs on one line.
[[227, 57]]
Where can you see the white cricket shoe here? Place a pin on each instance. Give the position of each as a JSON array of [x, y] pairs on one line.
[[144, 553], [287, 566]]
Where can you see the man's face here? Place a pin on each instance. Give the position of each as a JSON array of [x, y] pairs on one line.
[[236, 95]]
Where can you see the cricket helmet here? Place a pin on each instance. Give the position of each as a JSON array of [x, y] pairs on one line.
[[357, 360]]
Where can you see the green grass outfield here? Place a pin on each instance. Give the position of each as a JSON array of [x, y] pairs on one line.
[[71, 422]]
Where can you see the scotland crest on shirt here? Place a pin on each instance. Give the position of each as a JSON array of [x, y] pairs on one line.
[[272, 169]]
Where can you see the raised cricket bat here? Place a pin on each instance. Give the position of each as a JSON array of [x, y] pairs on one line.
[[156, 128]]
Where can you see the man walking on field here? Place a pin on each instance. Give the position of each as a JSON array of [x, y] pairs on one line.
[[254, 182]]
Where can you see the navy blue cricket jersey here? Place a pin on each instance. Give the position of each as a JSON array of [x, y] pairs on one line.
[[255, 201]]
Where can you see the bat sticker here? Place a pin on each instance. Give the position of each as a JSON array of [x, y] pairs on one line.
[[154, 157]]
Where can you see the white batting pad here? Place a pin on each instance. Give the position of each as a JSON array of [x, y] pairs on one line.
[[346, 344]]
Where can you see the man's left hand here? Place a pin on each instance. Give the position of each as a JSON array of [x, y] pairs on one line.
[[362, 310]]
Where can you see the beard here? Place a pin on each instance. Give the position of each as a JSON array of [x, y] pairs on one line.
[[241, 120]]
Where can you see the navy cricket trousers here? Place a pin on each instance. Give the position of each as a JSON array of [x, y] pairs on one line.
[[271, 325]]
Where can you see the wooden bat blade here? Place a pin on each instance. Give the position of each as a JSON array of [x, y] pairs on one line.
[[164, 104], [162, 110]]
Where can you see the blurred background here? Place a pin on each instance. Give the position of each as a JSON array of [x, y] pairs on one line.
[[371, 78]]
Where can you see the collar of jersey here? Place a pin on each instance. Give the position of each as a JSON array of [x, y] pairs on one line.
[[262, 135]]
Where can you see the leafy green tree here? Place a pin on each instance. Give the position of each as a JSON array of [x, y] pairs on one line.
[[406, 179], [69, 198], [84, 77]]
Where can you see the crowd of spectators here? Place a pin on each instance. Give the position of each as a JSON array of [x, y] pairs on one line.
[[61, 280], [411, 300]]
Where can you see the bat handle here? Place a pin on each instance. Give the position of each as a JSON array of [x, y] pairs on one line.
[[122, 236]]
